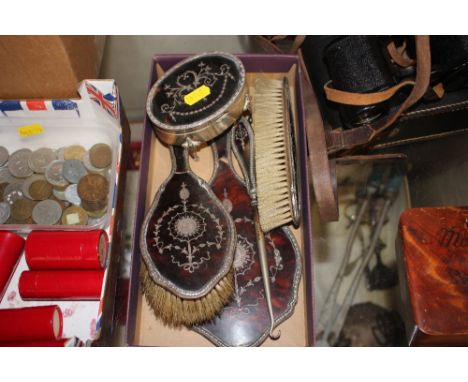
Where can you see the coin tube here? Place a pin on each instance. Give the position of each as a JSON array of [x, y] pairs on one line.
[[11, 246], [60, 285], [40, 323], [48, 250], [64, 342]]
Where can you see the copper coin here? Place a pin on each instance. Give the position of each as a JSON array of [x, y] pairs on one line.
[[74, 152], [40, 190], [94, 206], [100, 155], [93, 188], [21, 209], [74, 215]]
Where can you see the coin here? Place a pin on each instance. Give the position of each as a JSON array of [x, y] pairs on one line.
[[5, 176], [40, 159], [93, 188], [90, 167], [71, 195], [47, 212], [74, 152], [97, 214], [73, 170], [100, 155], [60, 153], [63, 203], [54, 174], [40, 190], [18, 164], [74, 215], [4, 212], [94, 206], [13, 192], [59, 194], [27, 183], [4, 155], [2, 189], [21, 209], [95, 221]]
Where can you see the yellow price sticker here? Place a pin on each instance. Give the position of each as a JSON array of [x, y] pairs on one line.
[[197, 95], [30, 130]]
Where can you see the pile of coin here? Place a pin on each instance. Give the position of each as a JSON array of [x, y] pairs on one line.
[[66, 186]]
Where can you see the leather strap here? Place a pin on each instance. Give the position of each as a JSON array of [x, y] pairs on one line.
[[397, 55], [338, 140], [362, 99], [323, 171]]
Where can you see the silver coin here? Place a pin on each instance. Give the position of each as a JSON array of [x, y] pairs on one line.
[[4, 155], [6, 177], [12, 192], [27, 183], [89, 166], [4, 212], [18, 164], [96, 221], [71, 194], [47, 212], [73, 170], [59, 194], [54, 173], [40, 159], [61, 153]]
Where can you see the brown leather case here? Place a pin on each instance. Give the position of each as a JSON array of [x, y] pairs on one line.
[[432, 252]]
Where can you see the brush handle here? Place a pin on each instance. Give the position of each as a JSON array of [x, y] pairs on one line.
[[180, 159], [242, 145], [242, 138]]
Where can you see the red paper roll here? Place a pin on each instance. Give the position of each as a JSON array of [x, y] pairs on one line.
[[11, 246], [61, 285], [66, 250], [40, 323], [65, 342]]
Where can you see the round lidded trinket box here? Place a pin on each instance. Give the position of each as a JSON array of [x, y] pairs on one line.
[[197, 99]]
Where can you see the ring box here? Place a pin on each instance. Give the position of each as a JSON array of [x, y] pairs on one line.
[[97, 117], [142, 328]]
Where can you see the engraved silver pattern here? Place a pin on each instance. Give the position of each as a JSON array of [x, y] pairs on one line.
[[191, 80], [187, 223]]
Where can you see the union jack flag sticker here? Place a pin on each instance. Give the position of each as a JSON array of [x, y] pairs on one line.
[[108, 102]]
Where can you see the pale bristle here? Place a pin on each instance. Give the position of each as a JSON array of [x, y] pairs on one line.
[[175, 311], [271, 160]]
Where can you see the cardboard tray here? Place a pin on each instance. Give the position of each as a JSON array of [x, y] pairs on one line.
[[143, 329]]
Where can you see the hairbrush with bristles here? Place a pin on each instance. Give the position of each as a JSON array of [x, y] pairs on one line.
[[276, 158]]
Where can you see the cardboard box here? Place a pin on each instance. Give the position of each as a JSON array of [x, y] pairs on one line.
[[143, 329], [47, 66], [97, 116]]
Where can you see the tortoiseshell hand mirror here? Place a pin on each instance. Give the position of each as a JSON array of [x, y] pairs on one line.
[[245, 321]]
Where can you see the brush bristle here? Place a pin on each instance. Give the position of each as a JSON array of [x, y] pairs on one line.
[[271, 158], [175, 311]]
